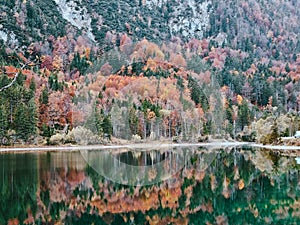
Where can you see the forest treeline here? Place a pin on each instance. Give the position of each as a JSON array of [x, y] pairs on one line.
[[141, 90]]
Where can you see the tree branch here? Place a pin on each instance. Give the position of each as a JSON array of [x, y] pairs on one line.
[[16, 76]]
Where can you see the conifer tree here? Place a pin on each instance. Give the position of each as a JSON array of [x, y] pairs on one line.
[[44, 98], [3, 123], [243, 115], [107, 126]]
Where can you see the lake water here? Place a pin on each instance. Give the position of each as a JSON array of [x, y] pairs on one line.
[[191, 185]]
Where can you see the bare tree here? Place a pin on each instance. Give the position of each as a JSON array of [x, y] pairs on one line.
[[24, 65]]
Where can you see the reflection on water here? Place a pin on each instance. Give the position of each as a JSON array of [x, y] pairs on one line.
[[136, 167], [183, 186]]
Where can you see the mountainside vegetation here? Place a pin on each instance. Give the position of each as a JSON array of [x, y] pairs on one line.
[[178, 70]]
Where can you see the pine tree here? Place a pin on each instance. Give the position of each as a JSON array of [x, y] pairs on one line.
[[32, 117], [32, 89], [133, 121], [44, 98], [107, 126], [32, 85], [79, 63], [25, 120], [3, 123], [197, 94], [20, 122], [287, 68], [243, 115]]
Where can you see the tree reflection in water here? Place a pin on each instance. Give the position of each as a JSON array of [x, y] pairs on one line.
[[207, 186]]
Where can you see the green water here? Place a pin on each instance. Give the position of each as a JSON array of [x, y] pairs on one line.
[[206, 186]]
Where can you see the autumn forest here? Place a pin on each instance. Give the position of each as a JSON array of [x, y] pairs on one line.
[[149, 112], [74, 86]]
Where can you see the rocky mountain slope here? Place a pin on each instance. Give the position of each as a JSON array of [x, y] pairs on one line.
[[250, 25]]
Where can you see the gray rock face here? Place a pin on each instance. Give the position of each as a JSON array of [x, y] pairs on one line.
[[247, 25], [76, 14]]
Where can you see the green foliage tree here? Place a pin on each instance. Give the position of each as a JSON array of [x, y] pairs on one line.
[[32, 85], [3, 124], [25, 120], [54, 84], [197, 94], [18, 108], [79, 63], [107, 126], [243, 115], [93, 122], [44, 98], [133, 120]]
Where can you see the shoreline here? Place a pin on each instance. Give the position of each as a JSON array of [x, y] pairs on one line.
[[146, 145]]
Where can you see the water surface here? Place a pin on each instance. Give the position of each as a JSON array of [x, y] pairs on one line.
[[191, 185]]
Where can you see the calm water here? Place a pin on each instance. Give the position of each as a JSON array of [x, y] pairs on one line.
[[153, 186]]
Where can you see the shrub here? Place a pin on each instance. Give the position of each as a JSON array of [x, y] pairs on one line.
[[85, 136], [56, 139], [136, 138]]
